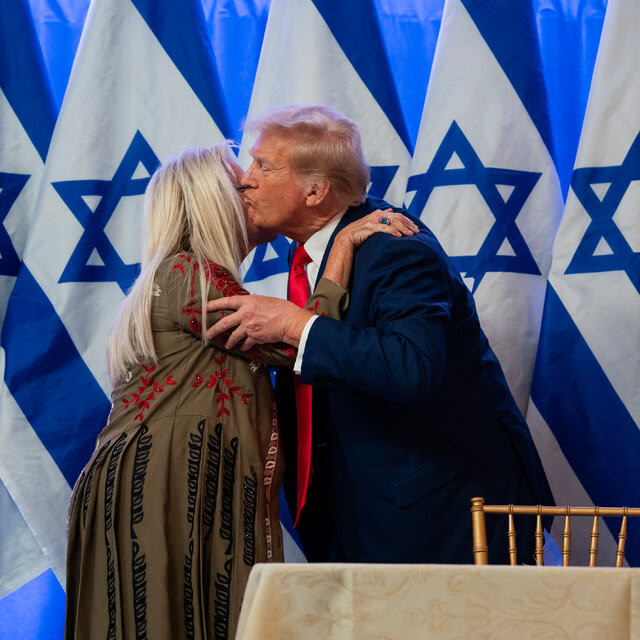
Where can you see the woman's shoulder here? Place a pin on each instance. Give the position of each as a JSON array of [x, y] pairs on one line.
[[182, 262], [176, 272], [186, 262], [185, 266]]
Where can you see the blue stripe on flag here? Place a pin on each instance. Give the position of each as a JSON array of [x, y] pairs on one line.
[[23, 78], [368, 57], [181, 30], [35, 611], [509, 29], [48, 378], [593, 427]]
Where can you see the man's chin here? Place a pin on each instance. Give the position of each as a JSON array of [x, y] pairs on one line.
[[262, 237], [256, 233]]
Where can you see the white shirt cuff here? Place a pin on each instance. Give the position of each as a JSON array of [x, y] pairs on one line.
[[297, 367]]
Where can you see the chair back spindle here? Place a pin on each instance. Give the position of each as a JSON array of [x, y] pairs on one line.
[[539, 538], [622, 539], [595, 534], [566, 538], [511, 534]]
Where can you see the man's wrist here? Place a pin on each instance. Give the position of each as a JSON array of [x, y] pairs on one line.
[[296, 325]]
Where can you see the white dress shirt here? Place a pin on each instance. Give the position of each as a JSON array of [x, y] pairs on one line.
[[315, 246]]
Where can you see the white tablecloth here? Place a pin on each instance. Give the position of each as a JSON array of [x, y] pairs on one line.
[[406, 602]]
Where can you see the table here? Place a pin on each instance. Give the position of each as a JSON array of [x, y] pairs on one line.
[[465, 602]]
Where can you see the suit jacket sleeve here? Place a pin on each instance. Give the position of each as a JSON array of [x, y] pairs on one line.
[[401, 353]]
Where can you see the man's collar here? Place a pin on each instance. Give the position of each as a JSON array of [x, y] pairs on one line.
[[316, 245]]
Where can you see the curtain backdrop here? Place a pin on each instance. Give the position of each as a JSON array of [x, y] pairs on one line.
[[472, 117]]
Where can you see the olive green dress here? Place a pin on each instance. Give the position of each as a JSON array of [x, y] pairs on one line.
[[180, 497]]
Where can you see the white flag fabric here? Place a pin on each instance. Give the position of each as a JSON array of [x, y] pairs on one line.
[[483, 176], [585, 390], [144, 86], [314, 53], [27, 117]]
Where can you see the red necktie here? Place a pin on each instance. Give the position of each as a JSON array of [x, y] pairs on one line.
[[299, 294]]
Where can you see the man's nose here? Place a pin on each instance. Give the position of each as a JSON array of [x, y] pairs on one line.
[[247, 179]]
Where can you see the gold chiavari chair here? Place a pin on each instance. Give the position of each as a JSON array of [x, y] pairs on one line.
[[481, 550]]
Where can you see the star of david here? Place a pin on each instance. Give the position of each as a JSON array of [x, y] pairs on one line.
[[94, 238], [486, 180], [11, 184], [263, 267], [601, 211]]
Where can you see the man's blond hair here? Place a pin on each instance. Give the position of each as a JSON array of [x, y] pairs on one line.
[[327, 147]]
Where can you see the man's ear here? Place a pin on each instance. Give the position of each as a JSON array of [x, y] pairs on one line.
[[318, 192]]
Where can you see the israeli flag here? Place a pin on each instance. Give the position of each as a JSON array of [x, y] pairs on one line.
[[313, 53], [143, 86], [483, 176], [27, 117], [585, 389]]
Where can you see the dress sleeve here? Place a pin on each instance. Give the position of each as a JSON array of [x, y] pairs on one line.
[[182, 284], [329, 299]]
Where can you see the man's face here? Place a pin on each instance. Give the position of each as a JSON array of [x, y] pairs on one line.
[[275, 198], [255, 235]]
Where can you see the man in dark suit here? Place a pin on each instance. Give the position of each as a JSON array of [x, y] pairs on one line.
[[412, 416]]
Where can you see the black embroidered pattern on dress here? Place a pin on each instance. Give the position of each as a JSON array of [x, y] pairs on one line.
[[250, 486], [111, 478], [140, 462], [211, 479], [193, 471], [111, 595], [188, 594], [228, 478], [222, 603], [138, 559], [193, 475], [139, 570], [108, 523]]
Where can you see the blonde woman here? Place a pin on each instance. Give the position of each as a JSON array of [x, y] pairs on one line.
[[180, 497]]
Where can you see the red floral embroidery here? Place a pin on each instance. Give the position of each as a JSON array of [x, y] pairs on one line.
[[222, 280], [314, 308], [216, 276], [147, 383], [224, 388], [194, 322]]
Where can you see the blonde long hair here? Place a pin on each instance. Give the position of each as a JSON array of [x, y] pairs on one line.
[[190, 205]]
